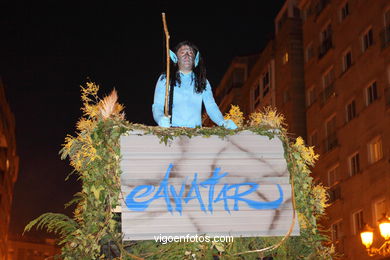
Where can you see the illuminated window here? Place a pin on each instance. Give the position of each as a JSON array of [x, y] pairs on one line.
[[285, 58], [375, 150]]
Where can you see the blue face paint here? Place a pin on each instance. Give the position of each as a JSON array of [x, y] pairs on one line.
[[167, 192]]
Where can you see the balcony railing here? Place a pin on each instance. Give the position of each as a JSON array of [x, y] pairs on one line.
[[327, 93], [330, 142], [325, 46], [385, 37]]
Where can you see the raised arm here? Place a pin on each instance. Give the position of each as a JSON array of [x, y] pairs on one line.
[[213, 110]]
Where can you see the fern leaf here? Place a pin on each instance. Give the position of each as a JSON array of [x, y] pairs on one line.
[[59, 224]]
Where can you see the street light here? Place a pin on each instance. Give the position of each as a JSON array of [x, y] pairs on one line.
[[367, 236]]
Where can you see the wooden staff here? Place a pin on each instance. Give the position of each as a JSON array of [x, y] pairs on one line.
[[167, 78]]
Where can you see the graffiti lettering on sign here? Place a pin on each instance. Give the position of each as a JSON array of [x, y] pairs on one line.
[[235, 193]]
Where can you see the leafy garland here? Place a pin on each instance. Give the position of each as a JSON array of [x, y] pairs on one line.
[[94, 153]]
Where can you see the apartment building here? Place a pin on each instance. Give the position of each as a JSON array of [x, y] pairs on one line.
[[347, 79], [9, 162], [328, 71], [32, 250], [275, 78]]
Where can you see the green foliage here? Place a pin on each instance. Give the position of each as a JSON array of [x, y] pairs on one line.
[[94, 231]]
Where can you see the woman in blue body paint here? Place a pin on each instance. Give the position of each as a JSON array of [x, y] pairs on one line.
[[191, 90]]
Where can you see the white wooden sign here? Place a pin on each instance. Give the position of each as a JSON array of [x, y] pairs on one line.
[[237, 186]]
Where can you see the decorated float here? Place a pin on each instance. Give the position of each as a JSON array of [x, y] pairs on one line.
[[141, 182]]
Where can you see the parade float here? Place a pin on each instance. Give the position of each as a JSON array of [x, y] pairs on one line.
[[141, 182], [142, 185]]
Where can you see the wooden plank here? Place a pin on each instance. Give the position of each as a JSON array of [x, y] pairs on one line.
[[235, 186]]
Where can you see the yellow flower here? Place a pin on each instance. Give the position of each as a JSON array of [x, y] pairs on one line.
[[307, 152], [235, 115], [255, 119], [272, 118], [90, 110], [85, 124], [321, 198], [299, 141]]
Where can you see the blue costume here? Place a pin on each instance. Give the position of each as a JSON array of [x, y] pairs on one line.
[[187, 104]]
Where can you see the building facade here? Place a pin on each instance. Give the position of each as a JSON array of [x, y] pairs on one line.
[[328, 71], [347, 79], [276, 78], [23, 250], [9, 163]]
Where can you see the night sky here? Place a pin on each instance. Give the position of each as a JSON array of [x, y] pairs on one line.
[[48, 49]]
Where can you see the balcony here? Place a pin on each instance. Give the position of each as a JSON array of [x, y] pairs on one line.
[[385, 37], [325, 46], [330, 142], [326, 94]]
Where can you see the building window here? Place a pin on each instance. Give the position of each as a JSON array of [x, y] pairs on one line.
[[367, 39], [309, 52], [286, 96], [313, 139], [371, 93], [336, 229], [354, 164], [285, 58], [351, 110], [256, 95], [331, 136], [375, 150], [380, 208], [326, 40], [328, 86], [332, 176], [333, 183], [344, 12], [328, 78], [358, 223], [311, 96], [265, 81], [385, 33], [282, 20], [347, 60]]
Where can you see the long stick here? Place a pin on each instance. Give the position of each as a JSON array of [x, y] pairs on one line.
[[167, 78]]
